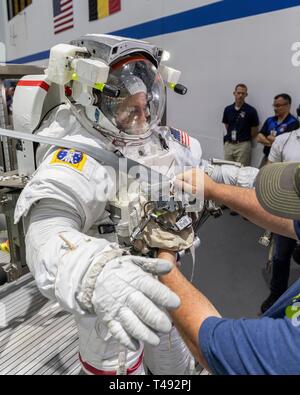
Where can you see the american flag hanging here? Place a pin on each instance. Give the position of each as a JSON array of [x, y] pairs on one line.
[[63, 16]]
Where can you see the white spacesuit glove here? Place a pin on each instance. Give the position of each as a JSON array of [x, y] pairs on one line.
[[231, 174], [129, 300]]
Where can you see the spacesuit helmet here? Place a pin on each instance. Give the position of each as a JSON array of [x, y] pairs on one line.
[[134, 73], [141, 101]]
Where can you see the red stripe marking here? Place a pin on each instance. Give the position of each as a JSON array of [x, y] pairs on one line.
[[66, 2], [128, 60], [63, 17], [62, 30], [183, 138], [39, 84], [98, 372], [64, 23], [67, 9], [187, 139]]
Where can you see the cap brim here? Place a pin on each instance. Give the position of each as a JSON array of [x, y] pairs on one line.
[[276, 189]]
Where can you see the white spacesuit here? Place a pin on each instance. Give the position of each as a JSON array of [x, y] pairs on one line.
[[79, 235]]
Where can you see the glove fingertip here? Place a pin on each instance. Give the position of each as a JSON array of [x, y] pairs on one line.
[[133, 345], [163, 267], [166, 326], [174, 301], [130, 343], [153, 340]]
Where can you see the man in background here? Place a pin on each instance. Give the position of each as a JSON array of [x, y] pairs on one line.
[[282, 122], [241, 123]]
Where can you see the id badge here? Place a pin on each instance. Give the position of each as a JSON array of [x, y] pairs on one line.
[[233, 135]]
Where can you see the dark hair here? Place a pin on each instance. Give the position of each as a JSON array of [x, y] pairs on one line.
[[240, 86], [285, 97]]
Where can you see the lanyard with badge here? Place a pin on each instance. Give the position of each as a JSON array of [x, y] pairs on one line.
[[278, 128], [234, 133]]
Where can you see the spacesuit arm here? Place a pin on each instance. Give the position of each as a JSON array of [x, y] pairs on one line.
[[89, 275], [59, 205], [231, 174], [59, 255]]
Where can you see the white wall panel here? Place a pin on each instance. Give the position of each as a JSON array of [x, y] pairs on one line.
[[213, 59]]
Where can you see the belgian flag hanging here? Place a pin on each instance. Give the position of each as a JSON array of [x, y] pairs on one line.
[[99, 9]]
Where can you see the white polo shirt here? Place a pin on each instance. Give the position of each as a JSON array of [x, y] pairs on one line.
[[286, 148]]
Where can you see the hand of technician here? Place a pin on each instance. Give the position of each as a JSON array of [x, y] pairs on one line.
[[196, 183]]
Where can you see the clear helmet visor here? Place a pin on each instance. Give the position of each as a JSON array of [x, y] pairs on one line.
[[141, 103]]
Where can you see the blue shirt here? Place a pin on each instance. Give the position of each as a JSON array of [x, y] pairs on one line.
[[289, 124], [241, 121], [297, 228], [267, 345]]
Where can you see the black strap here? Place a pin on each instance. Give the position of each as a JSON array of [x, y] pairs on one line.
[[106, 228], [163, 142]]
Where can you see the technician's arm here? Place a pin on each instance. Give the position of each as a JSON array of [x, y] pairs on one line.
[[242, 200], [234, 346], [193, 310]]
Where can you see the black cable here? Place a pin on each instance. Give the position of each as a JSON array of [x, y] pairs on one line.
[[45, 116]]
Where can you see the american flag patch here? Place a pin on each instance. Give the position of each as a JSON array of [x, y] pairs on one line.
[[180, 136]]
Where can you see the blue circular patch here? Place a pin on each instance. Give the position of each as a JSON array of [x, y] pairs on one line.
[[70, 157]]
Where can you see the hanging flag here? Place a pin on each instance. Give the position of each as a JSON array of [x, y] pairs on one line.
[[16, 6], [63, 17], [99, 9]]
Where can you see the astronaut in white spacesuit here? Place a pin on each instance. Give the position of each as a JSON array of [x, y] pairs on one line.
[[86, 248]]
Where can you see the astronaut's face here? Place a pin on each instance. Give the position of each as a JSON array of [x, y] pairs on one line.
[[133, 114], [141, 102]]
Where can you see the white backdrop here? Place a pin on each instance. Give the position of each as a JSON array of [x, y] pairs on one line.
[[213, 59]]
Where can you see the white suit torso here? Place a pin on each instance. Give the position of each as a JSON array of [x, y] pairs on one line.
[[72, 192], [90, 184]]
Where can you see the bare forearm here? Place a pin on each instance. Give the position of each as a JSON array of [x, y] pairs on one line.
[[263, 140], [244, 201], [193, 310]]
